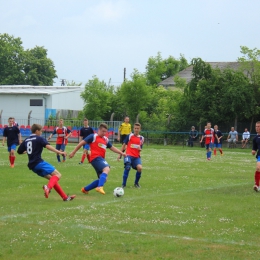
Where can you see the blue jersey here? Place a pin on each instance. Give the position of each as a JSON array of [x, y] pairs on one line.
[[33, 145], [11, 133], [219, 134], [85, 131], [256, 144]]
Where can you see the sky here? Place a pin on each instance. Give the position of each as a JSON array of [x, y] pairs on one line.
[[87, 38]]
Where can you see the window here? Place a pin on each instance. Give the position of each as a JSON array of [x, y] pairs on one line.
[[36, 102]]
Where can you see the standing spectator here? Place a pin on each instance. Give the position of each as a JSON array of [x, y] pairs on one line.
[[98, 144], [217, 140], [124, 130], [134, 143], [63, 133], [209, 139], [193, 134], [256, 151], [232, 137], [245, 138], [33, 146], [85, 131], [14, 138]]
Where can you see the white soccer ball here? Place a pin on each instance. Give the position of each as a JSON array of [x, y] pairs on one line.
[[118, 192]]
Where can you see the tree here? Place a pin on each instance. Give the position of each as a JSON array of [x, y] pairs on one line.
[[97, 96]]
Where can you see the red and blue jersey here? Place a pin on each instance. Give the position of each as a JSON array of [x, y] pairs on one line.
[[61, 133], [134, 145], [97, 145], [209, 136]]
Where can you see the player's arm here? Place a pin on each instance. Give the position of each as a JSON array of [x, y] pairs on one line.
[[21, 149], [119, 133], [20, 138], [115, 150], [83, 142], [68, 134], [51, 148], [202, 137], [4, 138], [51, 135]]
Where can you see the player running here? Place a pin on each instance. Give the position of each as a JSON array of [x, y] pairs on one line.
[[85, 131], [134, 143], [209, 139], [33, 146], [98, 144]]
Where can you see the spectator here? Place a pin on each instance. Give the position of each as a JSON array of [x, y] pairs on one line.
[[192, 136], [232, 137], [245, 138]]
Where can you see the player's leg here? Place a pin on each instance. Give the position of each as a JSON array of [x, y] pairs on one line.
[[127, 168], [137, 164], [58, 146], [257, 175], [62, 149], [215, 149], [220, 149], [12, 155]]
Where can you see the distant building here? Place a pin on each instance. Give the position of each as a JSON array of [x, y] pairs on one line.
[[187, 73], [37, 102]]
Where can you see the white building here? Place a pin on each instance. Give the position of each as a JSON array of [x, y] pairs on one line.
[[37, 103]]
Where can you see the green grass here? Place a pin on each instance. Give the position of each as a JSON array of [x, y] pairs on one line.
[[187, 208]]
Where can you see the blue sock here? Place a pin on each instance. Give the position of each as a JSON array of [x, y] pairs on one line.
[[102, 179], [64, 158], [58, 157], [92, 185], [137, 177], [209, 154], [125, 176]]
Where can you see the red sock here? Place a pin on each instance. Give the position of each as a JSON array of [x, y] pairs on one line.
[[215, 151], [52, 181], [83, 157], [220, 151], [88, 156], [60, 191], [257, 178], [12, 159]]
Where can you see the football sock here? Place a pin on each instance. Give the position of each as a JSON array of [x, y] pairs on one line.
[[215, 151], [52, 181], [12, 159], [210, 154], [59, 190], [257, 178], [92, 185], [137, 177], [220, 150], [64, 157], [58, 158], [102, 179], [83, 157], [88, 156], [125, 176]]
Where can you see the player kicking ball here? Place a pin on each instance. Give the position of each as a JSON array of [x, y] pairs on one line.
[[33, 146]]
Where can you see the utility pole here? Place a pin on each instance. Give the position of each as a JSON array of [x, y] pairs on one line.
[[124, 73]]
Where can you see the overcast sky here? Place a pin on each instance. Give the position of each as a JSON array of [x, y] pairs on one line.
[[102, 37]]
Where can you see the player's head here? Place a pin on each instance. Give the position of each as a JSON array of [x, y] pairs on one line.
[[215, 127], [232, 128], [208, 125], [36, 129], [257, 127], [10, 121], [102, 129], [137, 128], [127, 119], [85, 122], [61, 122]]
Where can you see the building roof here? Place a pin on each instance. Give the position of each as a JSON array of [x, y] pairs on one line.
[[38, 90], [187, 73]]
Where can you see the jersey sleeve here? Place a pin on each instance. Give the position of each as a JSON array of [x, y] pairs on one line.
[[68, 130], [109, 145], [22, 148], [44, 142], [89, 139]]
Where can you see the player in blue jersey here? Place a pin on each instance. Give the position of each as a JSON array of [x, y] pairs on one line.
[[256, 151], [14, 138], [217, 140], [85, 131], [33, 146]]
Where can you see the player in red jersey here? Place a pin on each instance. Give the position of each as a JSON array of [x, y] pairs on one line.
[[209, 139], [98, 144], [63, 133], [134, 143]]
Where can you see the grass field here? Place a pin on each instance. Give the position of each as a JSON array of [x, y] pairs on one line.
[[187, 208]]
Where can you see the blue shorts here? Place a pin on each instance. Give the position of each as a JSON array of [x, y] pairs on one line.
[[61, 147], [208, 146], [99, 164], [86, 147], [43, 168], [12, 147], [134, 161], [218, 145]]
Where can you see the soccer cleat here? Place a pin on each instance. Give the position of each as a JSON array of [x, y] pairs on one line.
[[123, 186], [256, 188], [84, 191], [46, 191], [80, 162], [208, 159], [222, 154], [137, 185], [63, 160], [100, 190], [12, 165], [70, 198]]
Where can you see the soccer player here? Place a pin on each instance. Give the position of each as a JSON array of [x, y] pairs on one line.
[[14, 138], [217, 140], [98, 144], [63, 133], [209, 139], [85, 131], [134, 143], [256, 150], [33, 146], [245, 138], [123, 131]]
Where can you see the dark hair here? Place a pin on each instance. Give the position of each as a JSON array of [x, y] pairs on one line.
[[103, 125], [35, 127]]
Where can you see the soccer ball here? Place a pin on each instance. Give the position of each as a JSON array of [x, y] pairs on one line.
[[118, 192]]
